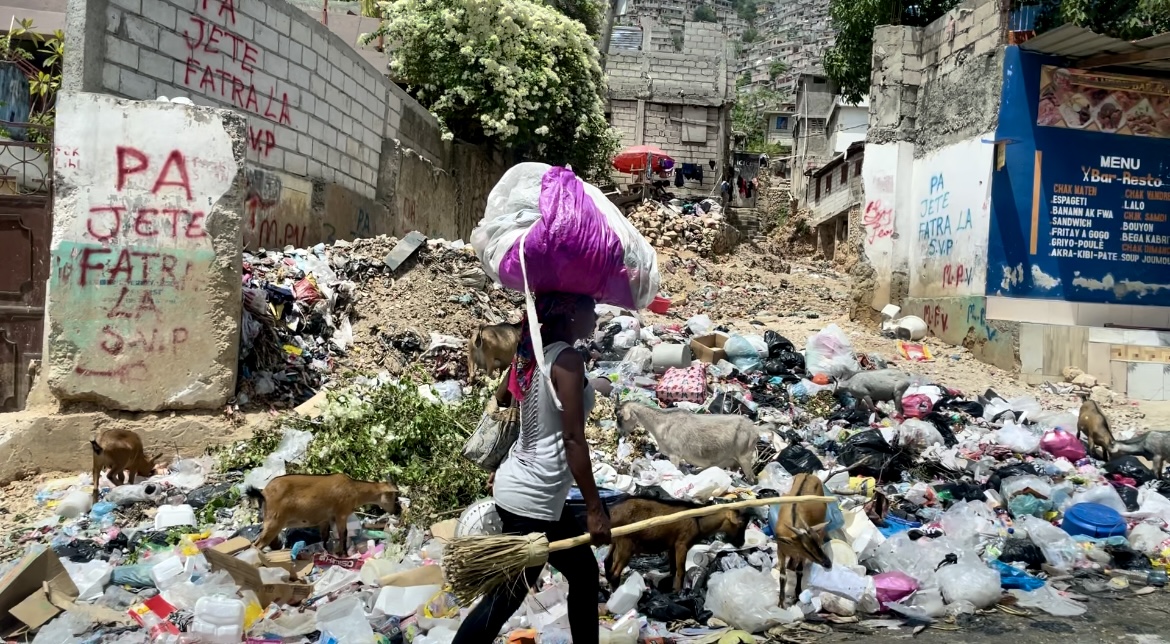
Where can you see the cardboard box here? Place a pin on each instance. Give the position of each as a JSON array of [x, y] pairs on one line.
[[709, 348], [222, 557], [34, 592]]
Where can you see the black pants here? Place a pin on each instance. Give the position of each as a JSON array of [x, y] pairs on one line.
[[578, 566]]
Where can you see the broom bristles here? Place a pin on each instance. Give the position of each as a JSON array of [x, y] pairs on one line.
[[476, 566]]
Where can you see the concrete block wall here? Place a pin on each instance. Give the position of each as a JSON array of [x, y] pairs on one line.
[[317, 113]]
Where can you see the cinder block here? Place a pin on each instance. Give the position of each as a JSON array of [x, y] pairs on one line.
[[282, 46], [156, 65], [133, 6], [275, 159], [266, 37], [295, 163], [110, 77], [277, 66], [320, 43], [136, 86], [159, 12], [140, 31], [280, 21], [173, 46], [320, 150], [121, 52], [245, 26], [309, 58], [255, 8], [299, 76], [304, 144], [183, 5]]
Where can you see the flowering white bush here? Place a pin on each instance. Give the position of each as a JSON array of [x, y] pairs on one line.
[[513, 72]]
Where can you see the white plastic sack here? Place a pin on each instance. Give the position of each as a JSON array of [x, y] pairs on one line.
[[919, 433], [1103, 494], [748, 599], [1018, 439], [1058, 547], [969, 580], [830, 352], [514, 211], [1048, 600], [1147, 538], [90, 577]]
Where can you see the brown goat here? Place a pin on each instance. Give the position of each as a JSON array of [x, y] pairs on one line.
[[1092, 423], [673, 538], [800, 531], [304, 500], [121, 451], [491, 348]]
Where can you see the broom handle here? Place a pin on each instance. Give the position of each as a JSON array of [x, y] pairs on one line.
[[625, 530]]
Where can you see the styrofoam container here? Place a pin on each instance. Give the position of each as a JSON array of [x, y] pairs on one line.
[[168, 572], [219, 619], [403, 600], [170, 516]]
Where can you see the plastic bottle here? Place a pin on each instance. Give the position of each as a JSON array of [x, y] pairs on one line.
[[219, 619], [131, 494], [626, 597], [75, 504]]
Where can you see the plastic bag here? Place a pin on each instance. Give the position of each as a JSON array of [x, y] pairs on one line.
[[1059, 549], [700, 324], [90, 577], [743, 354], [747, 598], [345, 620], [829, 351], [881, 461], [777, 344], [805, 389], [893, 586], [969, 580], [1062, 444], [1147, 538], [775, 477], [1048, 600], [574, 237], [1018, 439], [798, 459], [919, 433], [1101, 494], [1127, 466]]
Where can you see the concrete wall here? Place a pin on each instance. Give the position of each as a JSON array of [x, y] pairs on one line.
[[316, 111], [679, 102], [144, 289], [933, 106]]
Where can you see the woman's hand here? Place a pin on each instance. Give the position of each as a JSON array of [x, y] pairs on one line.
[[597, 522]]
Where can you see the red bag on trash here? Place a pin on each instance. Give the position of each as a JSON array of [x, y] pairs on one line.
[[916, 405], [689, 384]]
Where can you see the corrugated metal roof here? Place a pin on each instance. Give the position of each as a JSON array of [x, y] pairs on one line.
[[1076, 42], [626, 38]]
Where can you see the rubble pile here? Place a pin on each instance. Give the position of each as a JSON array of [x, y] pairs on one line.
[[310, 312], [698, 231]]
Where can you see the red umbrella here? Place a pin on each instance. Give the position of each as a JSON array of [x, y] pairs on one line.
[[633, 160]]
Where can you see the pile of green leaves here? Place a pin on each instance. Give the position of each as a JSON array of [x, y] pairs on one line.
[[392, 431]]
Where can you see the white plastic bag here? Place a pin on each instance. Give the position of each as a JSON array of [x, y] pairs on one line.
[[1058, 547], [748, 599], [1103, 494], [830, 352], [743, 354], [919, 433], [969, 580], [700, 324], [1048, 600], [90, 577], [1018, 439], [1147, 538]]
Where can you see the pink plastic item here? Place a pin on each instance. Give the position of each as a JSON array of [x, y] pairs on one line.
[[1060, 443], [916, 405], [893, 587]]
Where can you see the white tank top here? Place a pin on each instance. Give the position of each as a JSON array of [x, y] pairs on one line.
[[534, 480]]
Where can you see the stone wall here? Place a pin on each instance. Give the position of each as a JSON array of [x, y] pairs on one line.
[[144, 288], [317, 113]]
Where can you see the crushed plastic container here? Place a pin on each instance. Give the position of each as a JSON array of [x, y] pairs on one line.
[[74, 504], [626, 597], [219, 619], [1093, 520]]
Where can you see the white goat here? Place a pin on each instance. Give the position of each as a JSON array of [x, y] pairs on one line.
[[703, 440]]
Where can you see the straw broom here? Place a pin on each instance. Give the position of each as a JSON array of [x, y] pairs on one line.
[[476, 566]]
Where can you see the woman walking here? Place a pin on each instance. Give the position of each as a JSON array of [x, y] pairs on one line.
[[532, 484]]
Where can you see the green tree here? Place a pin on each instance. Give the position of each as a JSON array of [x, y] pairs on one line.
[[1124, 19], [515, 73], [588, 12], [750, 35], [749, 113], [746, 9], [777, 69], [849, 60], [704, 13]]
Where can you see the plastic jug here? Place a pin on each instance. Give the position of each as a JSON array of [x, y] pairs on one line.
[[168, 572], [75, 504], [626, 597], [219, 619]]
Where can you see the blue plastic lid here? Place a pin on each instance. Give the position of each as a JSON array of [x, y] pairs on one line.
[[1093, 520]]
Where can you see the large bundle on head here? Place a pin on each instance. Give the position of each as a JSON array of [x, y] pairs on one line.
[[546, 230]]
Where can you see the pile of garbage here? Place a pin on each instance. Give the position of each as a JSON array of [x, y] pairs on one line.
[[368, 305], [699, 228], [947, 502]]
